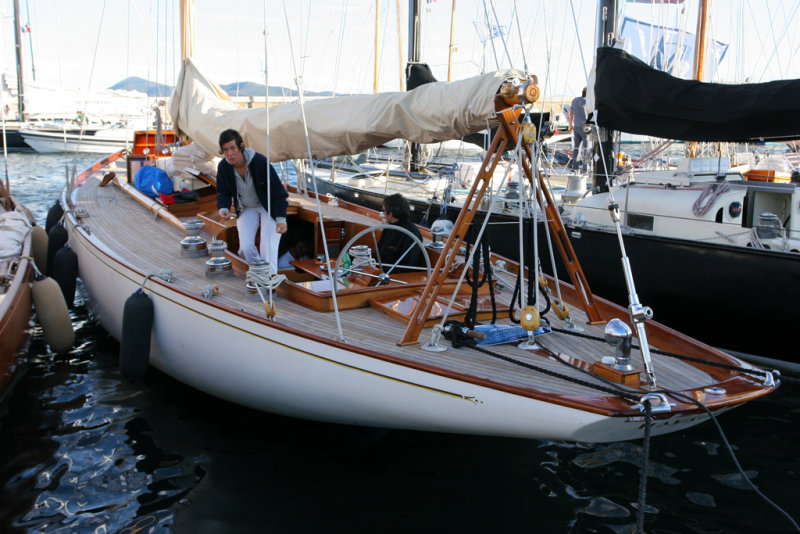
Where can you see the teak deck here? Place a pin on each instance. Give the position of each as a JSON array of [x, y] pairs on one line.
[[151, 244]]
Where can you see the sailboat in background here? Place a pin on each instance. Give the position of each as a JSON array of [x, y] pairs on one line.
[[46, 119], [710, 242]]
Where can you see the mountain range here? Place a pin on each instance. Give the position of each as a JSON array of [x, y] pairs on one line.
[[134, 83]]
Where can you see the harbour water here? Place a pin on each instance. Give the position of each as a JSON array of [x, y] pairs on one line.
[[84, 450]]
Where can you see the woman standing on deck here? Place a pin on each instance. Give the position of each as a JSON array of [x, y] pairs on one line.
[[242, 182]]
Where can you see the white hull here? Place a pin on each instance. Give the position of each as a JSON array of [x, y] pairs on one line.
[[50, 142], [249, 361]]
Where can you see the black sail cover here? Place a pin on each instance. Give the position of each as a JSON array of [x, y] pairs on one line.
[[632, 97]]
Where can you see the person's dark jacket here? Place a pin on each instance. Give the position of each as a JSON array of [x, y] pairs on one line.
[[226, 186], [393, 244]]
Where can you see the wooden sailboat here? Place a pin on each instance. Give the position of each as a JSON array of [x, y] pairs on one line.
[[331, 344], [16, 276]]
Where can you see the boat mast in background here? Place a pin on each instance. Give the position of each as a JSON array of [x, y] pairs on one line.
[[187, 29], [604, 152], [699, 55], [450, 51], [21, 115], [414, 54]]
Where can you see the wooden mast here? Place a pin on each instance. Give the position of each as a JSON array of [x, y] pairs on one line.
[[509, 107], [700, 41], [450, 52], [699, 58], [187, 29]]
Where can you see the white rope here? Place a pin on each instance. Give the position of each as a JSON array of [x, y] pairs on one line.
[[360, 263], [269, 280]]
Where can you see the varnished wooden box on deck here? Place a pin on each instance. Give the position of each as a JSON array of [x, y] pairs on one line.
[[620, 377]]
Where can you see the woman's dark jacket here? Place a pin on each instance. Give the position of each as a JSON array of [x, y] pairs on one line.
[[226, 186]]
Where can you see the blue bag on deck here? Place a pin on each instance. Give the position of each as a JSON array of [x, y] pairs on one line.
[[153, 181], [497, 334]]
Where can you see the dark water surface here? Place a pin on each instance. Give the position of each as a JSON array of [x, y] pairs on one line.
[[84, 450]]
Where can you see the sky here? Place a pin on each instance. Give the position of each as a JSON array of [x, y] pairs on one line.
[[330, 44]]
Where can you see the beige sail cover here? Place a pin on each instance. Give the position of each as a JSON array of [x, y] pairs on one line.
[[431, 113]]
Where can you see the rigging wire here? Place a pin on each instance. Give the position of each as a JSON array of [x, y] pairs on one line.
[[500, 30], [300, 100], [339, 47], [519, 33], [489, 35], [786, 28], [274, 268], [470, 259]]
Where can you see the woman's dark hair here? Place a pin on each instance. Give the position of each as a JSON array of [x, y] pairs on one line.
[[397, 205], [231, 135]]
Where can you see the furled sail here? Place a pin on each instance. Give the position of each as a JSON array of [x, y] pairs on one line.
[[342, 125], [632, 97]]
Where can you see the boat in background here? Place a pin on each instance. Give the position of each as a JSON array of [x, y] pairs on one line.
[[93, 140], [709, 244]]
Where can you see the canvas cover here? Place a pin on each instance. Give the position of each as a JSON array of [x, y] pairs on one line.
[[632, 97], [432, 113]]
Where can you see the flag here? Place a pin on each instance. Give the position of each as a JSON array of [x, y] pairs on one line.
[[669, 49], [486, 32]]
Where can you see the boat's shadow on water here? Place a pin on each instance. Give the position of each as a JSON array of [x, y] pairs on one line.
[[82, 448]]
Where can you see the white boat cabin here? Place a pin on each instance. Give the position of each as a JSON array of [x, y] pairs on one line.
[[702, 200]]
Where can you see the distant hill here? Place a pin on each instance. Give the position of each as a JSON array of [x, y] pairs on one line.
[[257, 89], [134, 83]]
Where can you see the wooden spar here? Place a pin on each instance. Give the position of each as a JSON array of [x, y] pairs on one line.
[[506, 136], [187, 29], [450, 53], [699, 57], [700, 42]]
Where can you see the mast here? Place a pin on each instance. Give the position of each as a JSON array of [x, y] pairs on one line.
[[699, 57], [450, 52], [700, 44], [377, 21], [187, 29], [21, 114], [414, 30], [604, 150], [414, 53], [400, 48]]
